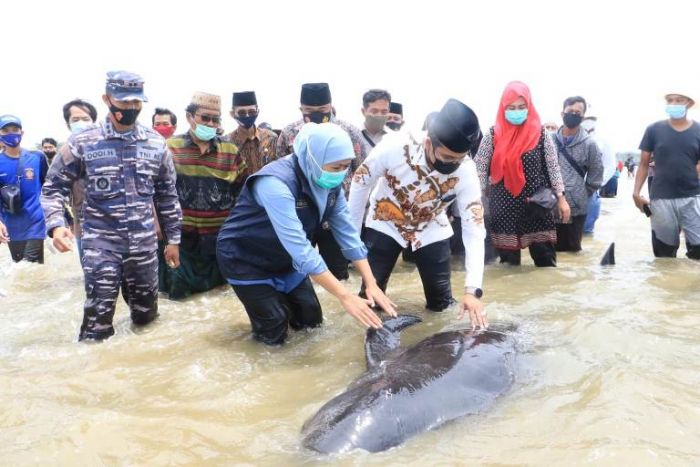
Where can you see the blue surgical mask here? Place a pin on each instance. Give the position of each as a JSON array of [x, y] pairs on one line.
[[204, 133], [330, 180], [327, 180], [11, 139], [516, 117], [78, 126], [676, 111]]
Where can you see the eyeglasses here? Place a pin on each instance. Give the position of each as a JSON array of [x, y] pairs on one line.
[[247, 113], [209, 118]]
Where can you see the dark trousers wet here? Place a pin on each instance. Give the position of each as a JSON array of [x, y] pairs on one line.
[[543, 254], [664, 250], [331, 254], [569, 235], [27, 250], [433, 262], [105, 273], [271, 313]]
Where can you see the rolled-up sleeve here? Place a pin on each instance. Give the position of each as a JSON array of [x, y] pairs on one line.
[[280, 205]]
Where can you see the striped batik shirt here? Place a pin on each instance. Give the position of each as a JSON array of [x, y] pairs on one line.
[[207, 184]]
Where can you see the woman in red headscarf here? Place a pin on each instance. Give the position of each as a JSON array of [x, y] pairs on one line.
[[515, 160]]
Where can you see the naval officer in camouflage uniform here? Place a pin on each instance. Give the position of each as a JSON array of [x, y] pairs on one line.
[[127, 169]]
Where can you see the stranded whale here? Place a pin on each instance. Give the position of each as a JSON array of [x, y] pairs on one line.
[[405, 392]]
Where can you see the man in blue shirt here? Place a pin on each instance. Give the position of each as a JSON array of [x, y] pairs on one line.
[[21, 224]]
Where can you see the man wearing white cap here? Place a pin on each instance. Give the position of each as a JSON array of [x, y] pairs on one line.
[[675, 190]]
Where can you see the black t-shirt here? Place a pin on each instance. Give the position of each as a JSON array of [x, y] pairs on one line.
[[676, 154]]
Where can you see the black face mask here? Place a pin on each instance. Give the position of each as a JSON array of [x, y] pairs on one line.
[[396, 126], [572, 120], [127, 116], [444, 168], [318, 117]]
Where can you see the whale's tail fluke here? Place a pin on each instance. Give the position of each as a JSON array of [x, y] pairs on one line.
[[379, 342]]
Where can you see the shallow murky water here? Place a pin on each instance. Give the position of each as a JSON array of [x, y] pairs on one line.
[[608, 371]]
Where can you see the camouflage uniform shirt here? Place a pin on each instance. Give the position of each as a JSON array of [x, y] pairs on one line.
[[124, 175]]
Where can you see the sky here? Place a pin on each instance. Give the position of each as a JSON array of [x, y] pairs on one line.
[[621, 56]]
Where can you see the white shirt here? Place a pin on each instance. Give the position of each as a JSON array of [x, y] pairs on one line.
[[609, 158], [410, 202]]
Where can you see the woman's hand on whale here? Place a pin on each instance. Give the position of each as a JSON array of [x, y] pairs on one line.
[[376, 296], [358, 308]]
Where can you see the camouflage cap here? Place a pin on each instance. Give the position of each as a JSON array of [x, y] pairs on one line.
[[125, 86], [204, 100]]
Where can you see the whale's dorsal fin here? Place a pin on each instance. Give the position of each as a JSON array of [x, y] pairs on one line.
[[609, 256], [379, 342]]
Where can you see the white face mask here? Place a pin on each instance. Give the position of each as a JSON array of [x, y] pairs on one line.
[[79, 125]]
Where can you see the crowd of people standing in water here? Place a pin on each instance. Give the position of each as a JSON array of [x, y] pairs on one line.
[[269, 212]]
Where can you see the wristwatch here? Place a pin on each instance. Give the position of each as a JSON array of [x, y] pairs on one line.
[[476, 291]]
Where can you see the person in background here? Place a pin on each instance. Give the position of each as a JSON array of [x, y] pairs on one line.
[[375, 110], [210, 175], [164, 122], [22, 224], [590, 124], [609, 190], [265, 247], [126, 169], [631, 164], [550, 127], [49, 147], [515, 160], [257, 146], [674, 204], [78, 114], [317, 107], [394, 119], [581, 164]]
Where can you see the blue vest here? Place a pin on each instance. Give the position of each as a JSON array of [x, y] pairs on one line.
[[247, 246]]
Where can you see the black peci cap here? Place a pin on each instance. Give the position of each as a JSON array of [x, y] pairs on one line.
[[315, 94], [456, 126], [244, 98]]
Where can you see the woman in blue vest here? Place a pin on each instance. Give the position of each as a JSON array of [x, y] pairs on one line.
[[265, 250]]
